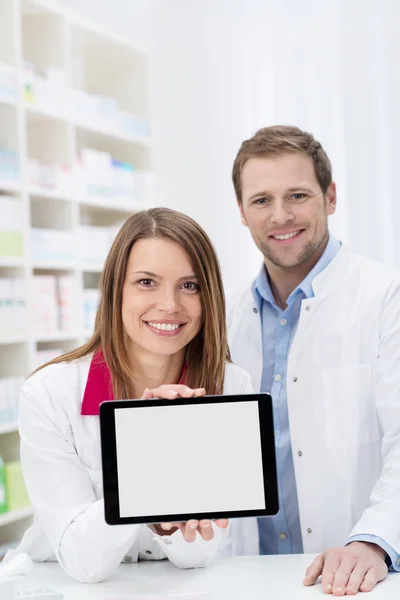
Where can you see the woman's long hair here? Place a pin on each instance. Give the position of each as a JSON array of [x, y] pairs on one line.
[[207, 354]]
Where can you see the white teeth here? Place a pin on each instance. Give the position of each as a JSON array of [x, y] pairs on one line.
[[165, 326], [286, 236]]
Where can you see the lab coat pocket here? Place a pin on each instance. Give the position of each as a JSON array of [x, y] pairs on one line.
[[349, 406]]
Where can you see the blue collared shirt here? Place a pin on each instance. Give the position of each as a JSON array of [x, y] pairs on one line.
[[281, 534]]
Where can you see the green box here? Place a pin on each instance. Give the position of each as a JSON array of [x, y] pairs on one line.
[[11, 243], [17, 496]]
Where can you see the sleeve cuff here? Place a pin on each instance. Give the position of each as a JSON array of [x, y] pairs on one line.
[[392, 559]]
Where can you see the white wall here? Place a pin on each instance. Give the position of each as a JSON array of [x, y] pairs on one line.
[[199, 121], [224, 68]]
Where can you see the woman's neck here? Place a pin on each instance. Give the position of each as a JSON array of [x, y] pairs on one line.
[[150, 371]]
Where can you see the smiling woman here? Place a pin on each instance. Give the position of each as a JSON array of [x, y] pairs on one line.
[[160, 332]]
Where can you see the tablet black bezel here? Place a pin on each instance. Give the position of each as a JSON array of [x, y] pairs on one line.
[[110, 470]]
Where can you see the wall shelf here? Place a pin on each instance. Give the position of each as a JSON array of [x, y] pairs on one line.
[[48, 129]]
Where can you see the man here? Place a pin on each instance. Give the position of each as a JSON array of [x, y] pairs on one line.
[[319, 329]]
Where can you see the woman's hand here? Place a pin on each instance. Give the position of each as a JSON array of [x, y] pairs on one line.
[[189, 528], [171, 392]]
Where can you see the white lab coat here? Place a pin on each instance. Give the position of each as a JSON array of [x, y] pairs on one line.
[[61, 460], [343, 393]]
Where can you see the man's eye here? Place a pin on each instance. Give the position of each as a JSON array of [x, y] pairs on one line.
[[260, 201], [299, 196]]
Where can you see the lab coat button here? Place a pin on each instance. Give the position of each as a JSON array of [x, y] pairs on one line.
[[295, 379], [308, 307], [149, 552], [309, 530], [299, 453], [255, 310]]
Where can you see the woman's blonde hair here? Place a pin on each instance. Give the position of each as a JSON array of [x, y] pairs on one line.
[[208, 353]]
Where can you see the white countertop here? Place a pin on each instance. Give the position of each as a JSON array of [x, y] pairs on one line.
[[239, 578]]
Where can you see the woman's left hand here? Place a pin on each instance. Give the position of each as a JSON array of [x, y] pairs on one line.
[[190, 528], [171, 392]]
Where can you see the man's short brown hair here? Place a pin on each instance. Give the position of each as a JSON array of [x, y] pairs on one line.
[[282, 139]]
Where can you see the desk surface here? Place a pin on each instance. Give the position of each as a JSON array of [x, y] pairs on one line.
[[239, 578]]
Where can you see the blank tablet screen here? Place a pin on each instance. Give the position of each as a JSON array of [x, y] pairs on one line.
[[188, 458]]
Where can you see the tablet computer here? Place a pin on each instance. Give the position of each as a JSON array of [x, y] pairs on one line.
[[211, 457]]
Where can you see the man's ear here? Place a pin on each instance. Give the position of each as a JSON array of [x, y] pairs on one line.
[[242, 215], [330, 197]]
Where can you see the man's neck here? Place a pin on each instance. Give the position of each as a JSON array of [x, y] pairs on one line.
[[151, 371], [284, 281]]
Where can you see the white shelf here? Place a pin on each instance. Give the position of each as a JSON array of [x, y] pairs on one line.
[[16, 338], [8, 101], [57, 336], [91, 268], [10, 186], [37, 112], [8, 428], [130, 139], [109, 205], [16, 515], [54, 266], [38, 192], [11, 262], [47, 132]]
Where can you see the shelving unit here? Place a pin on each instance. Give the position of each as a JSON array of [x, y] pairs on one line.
[[89, 61]]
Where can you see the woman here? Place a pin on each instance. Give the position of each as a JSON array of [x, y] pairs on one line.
[[160, 332]]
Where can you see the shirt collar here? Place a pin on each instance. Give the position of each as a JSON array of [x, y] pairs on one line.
[[262, 289], [99, 385]]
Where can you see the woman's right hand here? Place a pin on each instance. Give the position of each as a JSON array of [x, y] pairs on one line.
[[171, 392]]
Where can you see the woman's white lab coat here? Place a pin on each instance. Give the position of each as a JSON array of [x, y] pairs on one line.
[[343, 389], [61, 459]]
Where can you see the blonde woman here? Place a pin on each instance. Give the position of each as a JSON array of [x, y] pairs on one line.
[[160, 332]]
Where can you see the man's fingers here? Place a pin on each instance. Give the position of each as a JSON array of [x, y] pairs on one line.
[[314, 570], [343, 574], [332, 562], [355, 580], [372, 577]]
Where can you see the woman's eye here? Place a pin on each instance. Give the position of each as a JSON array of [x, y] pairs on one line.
[[191, 286], [146, 282]]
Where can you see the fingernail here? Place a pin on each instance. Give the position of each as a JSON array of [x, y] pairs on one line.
[[328, 587], [206, 523], [338, 590], [174, 393], [166, 526], [194, 525]]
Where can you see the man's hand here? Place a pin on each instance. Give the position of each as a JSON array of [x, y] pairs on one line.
[[356, 567], [189, 529]]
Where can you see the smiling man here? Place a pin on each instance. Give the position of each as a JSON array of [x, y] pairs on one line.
[[319, 329]]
